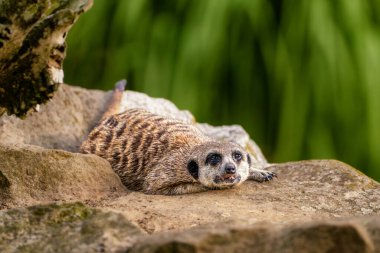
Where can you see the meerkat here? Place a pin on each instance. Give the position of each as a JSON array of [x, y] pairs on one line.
[[158, 155]]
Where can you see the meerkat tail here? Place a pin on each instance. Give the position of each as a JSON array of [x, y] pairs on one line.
[[115, 101]]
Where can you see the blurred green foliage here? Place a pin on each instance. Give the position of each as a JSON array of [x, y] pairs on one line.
[[301, 76]]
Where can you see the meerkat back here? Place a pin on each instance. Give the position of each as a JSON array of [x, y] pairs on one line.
[[135, 141]]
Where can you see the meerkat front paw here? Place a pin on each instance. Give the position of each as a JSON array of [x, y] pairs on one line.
[[261, 175]]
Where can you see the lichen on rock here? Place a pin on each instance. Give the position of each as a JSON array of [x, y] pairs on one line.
[[71, 227], [32, 49]]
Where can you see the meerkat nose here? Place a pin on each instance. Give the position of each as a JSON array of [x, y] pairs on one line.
[[230, 168]]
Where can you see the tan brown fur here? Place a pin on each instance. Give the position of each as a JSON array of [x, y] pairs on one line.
[[151, 153], [137, 139], [115, 101]]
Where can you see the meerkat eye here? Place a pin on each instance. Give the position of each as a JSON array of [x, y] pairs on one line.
[[213, 159], [249, 160], [237, 156]]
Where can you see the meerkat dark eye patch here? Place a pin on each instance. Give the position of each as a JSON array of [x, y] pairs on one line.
[[213, 159], [237, 156], [193, 169], [249, 160]]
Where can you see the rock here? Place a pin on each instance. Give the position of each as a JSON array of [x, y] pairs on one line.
[[73, 112], [308, 208], [61, 124], [76, 228], [32, 42], [160, 106], [64, 228], [31, 174], [359, 235], [303, 191]]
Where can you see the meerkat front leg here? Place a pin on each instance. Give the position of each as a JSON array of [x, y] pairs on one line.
[[260, 175], [163, 179], [183, 188]]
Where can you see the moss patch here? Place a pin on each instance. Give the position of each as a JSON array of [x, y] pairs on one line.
[[62, 228]]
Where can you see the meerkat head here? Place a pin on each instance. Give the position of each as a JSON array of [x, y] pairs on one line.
[[219, 164]]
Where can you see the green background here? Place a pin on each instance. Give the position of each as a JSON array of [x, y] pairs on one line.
[[301, 76]]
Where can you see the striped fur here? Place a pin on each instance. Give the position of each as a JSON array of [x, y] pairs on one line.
[[136, 141], [156, 155]]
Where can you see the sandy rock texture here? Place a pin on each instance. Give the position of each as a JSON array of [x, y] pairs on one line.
[[62, 123], [309, 190], [312, 206], [31, 175]]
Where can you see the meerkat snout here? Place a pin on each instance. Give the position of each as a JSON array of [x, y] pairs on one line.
[[230, 169], [218, 165]]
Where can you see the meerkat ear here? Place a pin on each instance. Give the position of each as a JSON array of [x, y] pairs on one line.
[[249, 159], [193, 169]]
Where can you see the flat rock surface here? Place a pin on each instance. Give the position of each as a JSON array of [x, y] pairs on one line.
[[306, 190]]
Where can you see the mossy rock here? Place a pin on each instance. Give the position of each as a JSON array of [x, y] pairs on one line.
[[70, 227]]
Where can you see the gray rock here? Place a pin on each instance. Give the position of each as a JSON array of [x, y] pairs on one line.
[[64, 228], [62, 123], [160, 106], [360, 235], [31, 174]]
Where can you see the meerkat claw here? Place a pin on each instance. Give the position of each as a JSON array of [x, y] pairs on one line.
[[268, 175], [262, 175]]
